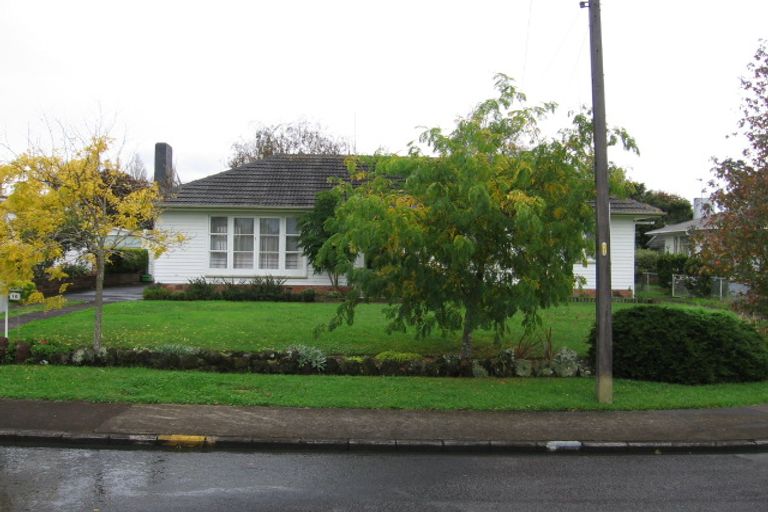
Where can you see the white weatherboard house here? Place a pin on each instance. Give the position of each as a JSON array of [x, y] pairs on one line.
[[676, 238], [242, 223]]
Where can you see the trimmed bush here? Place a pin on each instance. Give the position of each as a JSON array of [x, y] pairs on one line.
[[157, 292], [200, 289], [128, 261], [684, 346]]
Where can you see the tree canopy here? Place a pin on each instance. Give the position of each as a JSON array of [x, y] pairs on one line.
[[487, 225], [75, 196], [735, 244], [300, 138], [677, 209]]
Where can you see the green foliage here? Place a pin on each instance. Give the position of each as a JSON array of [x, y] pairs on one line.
[[26, 288], [126, 261], [201, 289], [669, 264], [735, 246], [157, 292], [699, 280], [676, 208], [76, 270], [398, 357], [46, 350], [646, 260], [177, 349], [684, 346], [490, 226], [315, 232], [309, 356]]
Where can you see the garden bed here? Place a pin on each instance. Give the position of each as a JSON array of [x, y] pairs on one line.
[[299, 360]]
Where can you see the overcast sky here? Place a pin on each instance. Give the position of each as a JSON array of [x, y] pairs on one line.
[[202, 75]]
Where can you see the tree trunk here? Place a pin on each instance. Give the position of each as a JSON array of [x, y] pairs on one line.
[[98, 303], [466, 338]]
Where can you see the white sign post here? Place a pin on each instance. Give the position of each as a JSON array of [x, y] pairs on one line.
[[4, 310]]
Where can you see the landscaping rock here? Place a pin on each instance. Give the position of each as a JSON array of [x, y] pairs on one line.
[[240, 363], [523, 368]]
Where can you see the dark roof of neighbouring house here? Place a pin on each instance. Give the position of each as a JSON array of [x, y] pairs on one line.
[[680, 227], [632, 207], [293, 181]]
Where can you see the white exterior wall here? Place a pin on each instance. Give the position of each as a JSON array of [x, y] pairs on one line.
[[622, 257], [191, 260], [178, 266]]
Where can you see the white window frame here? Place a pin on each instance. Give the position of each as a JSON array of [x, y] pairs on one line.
[[244, 273], [226, 251]]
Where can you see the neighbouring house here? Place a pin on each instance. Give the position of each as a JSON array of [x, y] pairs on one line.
[[676, 238], [243, 223]]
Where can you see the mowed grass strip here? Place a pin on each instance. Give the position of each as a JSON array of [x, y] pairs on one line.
[[139, 385], [251, 326]]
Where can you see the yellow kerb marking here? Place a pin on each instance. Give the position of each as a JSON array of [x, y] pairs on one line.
[[182, 440]]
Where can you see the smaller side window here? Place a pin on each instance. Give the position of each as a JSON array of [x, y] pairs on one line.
[[269, 243], [218, 247], [292, 249]]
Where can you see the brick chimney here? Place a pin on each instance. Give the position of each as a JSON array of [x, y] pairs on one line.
[[164, 167]]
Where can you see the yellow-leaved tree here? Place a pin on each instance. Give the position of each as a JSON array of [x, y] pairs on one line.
[[77, 197]]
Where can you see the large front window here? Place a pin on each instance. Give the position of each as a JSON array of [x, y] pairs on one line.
[[243, 246], [255, 243]]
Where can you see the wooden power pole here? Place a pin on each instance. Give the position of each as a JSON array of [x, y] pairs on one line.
[[602, 209]]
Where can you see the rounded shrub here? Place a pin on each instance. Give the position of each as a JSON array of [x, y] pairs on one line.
[[684, 346]]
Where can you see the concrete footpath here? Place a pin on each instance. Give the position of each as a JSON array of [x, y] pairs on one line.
[[221, 427]]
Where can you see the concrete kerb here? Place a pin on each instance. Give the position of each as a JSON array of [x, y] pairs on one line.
[[233, 443]]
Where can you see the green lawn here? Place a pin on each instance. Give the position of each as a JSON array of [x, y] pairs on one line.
[[20, 310], [258, 325], [139, 385]]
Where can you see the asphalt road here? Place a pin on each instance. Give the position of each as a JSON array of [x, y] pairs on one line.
[[42, 479]]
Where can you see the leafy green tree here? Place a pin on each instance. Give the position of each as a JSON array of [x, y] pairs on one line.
[[676, 208], [315, 231], [488, 226], [736, 245]]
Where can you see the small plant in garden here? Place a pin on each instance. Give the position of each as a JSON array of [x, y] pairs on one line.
[[398, 357], [201, 289], [157, 292], [177, 349], [309, 356], [566, 356], [478, 370]]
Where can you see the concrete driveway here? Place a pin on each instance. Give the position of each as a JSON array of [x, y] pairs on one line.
[[117, 294]]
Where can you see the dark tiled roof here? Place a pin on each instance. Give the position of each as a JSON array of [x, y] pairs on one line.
[[276, 181], [681, 227], [287, 181], [632, 207]]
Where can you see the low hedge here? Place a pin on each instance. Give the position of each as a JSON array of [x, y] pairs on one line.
[[299, 359], [228, 291], [684, 346]]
